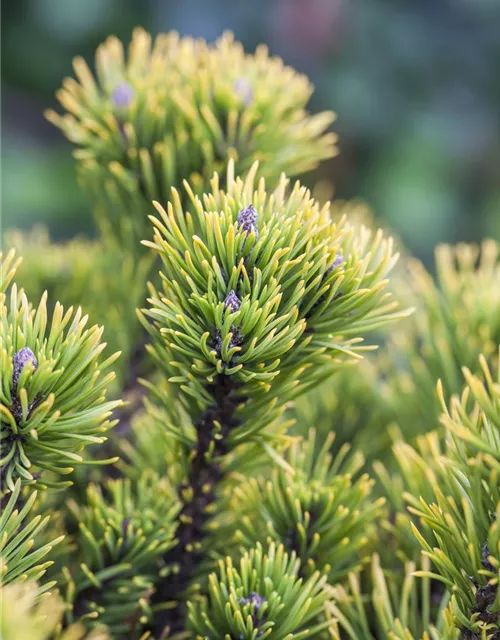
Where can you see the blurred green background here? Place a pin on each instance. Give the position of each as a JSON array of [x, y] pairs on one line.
[[415, 86]]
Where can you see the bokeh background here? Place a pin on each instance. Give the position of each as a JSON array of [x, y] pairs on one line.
[[415, 86]]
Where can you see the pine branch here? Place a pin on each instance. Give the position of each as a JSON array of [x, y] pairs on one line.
[[235, 334], [19, 561], [124, 531], [199, 494], [458, 516]]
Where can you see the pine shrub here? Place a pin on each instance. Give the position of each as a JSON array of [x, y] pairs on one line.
[[220, 419]]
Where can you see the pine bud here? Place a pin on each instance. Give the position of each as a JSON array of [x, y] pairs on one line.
[[232, 301], [123, 95], [243, 89], [19, 361], [339, 259], [247, 220], [255, 599]]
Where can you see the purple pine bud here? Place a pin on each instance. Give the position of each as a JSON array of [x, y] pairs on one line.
[[247, 220], [243, 89], [232, 301], [123, 95], [19, 361], [255, 599], [339, 259]]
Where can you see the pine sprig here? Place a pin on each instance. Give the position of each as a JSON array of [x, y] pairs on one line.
[[314, 504], [20, 555], [459, 529], [398, 607], [457, 319], [262, 597], [123, 534], [176, 108], [300, 306], [473, 420], [96, 275], [52, 390]]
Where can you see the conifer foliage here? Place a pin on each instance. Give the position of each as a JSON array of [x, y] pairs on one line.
[[175, 109], [216, 453]]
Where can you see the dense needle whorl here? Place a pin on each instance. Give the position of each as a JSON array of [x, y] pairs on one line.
[[49, 415], [302, 271]]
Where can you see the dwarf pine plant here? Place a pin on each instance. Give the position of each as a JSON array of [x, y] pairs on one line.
[[220, 419]]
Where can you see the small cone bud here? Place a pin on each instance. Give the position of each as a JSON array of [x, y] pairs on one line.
[[247, 220], [123, 95], [232, 301], [19, 361]]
